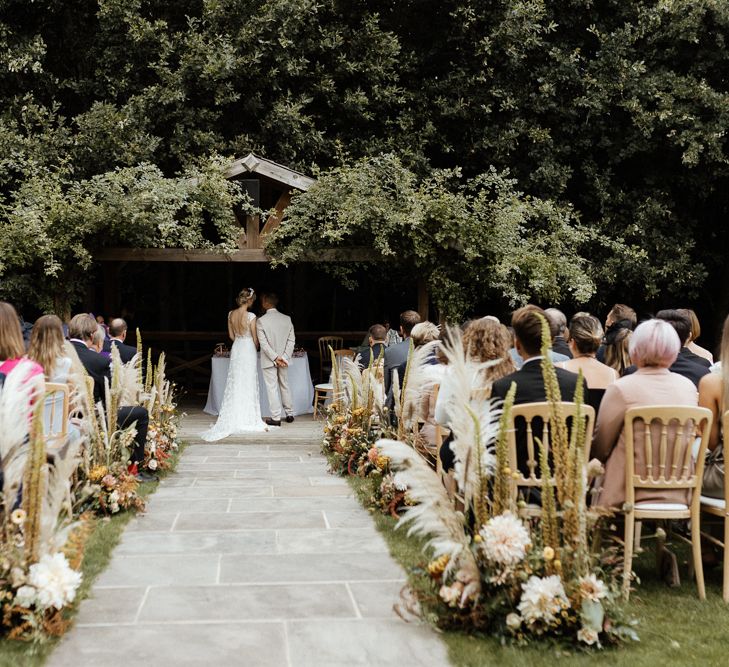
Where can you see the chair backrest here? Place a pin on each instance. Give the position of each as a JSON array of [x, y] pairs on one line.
[[664, 459], [55, 409], [529, 412], [340, 354], [325, 342], [725, 430]]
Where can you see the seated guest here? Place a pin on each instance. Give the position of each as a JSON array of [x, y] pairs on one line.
[[118, 334], [47, 348], [98, 340], [484, 340], [695, 333], [714, 394], [555, 355], [376, 343], [687, 363], [619, 324], [560, 332], [81, 329], [397, 354], [12, 348], [585, 335], [529, 381], [654, 347], [424, 333]]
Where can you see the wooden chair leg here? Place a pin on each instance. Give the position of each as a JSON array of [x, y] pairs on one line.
[[696, 554], [628, 557], [637, 536], [725, 586], [316, 402]]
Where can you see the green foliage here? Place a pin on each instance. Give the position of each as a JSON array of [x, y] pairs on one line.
[[466, 239], [612, 114], [52, 224]]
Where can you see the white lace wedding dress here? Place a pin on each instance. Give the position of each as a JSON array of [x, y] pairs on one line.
[[240, 411]]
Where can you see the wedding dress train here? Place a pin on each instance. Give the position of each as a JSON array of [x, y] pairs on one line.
[[240, 411]]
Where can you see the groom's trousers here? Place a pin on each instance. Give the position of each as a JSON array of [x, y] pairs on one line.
[[277, 388]]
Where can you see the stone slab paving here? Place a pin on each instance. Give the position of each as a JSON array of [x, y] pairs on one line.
[[250, 554]]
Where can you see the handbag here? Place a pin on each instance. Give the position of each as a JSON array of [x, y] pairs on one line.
[[713, 481]]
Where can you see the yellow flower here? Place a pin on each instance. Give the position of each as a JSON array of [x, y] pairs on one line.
[[558, 564], [382, 461], [477, 538], [548, 553], [438, 566], [18, 517], [98, 473]]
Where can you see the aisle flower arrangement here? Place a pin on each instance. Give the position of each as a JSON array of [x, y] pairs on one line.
[[492, 568], [161, 403], [54, 485], [36, 579], [356, 420]]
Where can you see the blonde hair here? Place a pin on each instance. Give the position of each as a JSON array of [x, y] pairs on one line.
[[46, 342], [424, 332], [617, 354], [486, 340], [586, 331], [239, 317], [11, 336]]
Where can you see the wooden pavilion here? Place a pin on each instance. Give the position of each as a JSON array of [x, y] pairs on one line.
[[188, 346]]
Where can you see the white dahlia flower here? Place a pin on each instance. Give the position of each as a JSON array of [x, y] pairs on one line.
[[542, 599], [399, 483], [592, 588], [55, 581], [505, 539]]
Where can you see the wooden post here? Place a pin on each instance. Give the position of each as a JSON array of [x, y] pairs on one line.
[[252, 231], [423, 300], [111, 289]]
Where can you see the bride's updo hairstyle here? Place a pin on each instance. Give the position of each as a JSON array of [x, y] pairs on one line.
[[246, 297]]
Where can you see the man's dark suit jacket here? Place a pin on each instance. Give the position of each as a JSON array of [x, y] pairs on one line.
[[96, 365], [126, 352], [373, 353], [688, 364], [530, 389]]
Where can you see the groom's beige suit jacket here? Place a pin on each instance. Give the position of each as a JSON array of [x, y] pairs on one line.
[[276, 337]]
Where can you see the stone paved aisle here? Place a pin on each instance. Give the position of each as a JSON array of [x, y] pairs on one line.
[[250, 554]]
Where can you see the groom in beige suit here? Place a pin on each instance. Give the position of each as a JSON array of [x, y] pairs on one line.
[[276, 337]]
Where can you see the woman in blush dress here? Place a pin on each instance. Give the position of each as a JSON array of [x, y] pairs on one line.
[[654, 346], [240, 411]]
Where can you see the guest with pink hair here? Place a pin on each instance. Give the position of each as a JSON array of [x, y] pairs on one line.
[[654, 347]]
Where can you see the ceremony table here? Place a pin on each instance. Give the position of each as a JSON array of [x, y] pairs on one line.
[[300, 384]]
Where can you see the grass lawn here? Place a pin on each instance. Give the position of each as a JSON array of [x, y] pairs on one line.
[[106, 535], [675, 628]]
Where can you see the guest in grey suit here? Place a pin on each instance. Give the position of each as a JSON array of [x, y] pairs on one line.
[[276, 337], [395, 355]]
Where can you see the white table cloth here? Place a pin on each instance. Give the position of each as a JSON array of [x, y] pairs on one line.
[[300, 384]]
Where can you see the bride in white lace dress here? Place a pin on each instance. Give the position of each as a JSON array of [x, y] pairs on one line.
[[241, 410]]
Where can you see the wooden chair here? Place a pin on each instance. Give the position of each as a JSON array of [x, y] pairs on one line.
[[667, 465], [529, 412], [55, 410], [717, 507], [324, 389], [325, 342]]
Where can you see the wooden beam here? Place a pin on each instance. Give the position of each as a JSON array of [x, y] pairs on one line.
[[179, 255], [274, 220], [244, 255]]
